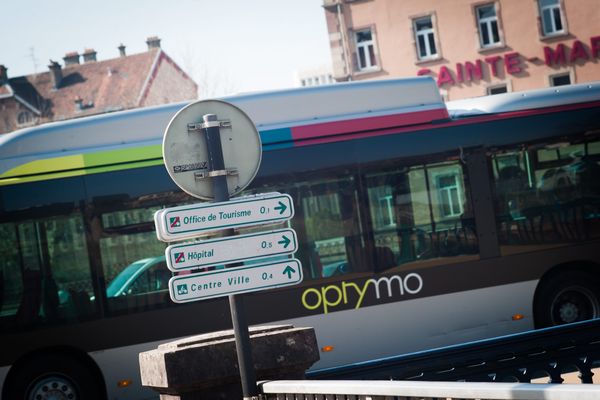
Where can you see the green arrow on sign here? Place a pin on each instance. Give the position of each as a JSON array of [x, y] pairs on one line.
[[281, 207], [285, 242], [289, 271]]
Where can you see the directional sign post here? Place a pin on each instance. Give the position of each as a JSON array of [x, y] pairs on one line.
[[232, 249], [209, 164], [236, 304]]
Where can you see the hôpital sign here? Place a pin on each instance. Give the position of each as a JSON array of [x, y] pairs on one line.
[[231, 249]]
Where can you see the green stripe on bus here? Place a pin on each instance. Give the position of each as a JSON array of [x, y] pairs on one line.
[[78, 172], [122, 156], [63, 166], [45, 166]]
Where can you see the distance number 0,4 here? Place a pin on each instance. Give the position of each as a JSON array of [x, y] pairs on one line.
[[266, 276]]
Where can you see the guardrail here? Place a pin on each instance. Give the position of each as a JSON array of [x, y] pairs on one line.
[[384, 390], [521, 357]]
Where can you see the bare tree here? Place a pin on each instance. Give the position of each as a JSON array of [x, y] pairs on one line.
[[212, 81]]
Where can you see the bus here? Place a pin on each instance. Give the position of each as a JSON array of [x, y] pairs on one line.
[[420, 224]]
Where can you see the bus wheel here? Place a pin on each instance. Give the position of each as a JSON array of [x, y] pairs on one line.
[[570, 297], [54, 377]]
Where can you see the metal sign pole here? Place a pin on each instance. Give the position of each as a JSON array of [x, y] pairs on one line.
[[218, 173]]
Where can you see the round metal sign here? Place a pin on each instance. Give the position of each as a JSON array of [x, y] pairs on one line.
[[186, 155]]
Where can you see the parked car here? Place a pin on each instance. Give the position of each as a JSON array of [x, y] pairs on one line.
[[141, 276]]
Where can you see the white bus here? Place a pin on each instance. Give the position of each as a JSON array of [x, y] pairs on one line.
[[420, 224]]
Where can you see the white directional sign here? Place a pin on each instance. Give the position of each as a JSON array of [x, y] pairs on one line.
[[224, 282], [184, 222], [231, 249]]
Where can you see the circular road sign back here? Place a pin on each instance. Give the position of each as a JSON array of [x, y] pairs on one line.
[[186, 155]]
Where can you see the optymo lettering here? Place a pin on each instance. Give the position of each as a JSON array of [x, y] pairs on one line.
[[328, 297]]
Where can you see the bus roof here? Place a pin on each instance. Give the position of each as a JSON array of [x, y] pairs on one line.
[[268, 110], [528, 100], [285, 118]]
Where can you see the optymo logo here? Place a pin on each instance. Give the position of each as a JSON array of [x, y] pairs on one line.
[[333, 295]]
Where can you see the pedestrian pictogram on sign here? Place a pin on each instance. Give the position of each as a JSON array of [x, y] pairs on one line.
[[182, 289]]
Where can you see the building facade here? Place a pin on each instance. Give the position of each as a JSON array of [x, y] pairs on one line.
[[470, 47], [84, 86], [314, 77]]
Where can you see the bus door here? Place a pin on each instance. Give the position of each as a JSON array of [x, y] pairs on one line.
[[45, 271], [420, 212], [133, 260]]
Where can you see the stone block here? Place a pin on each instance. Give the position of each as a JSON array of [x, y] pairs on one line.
[[205, 366]]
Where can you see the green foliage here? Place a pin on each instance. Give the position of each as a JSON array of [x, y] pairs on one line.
[[324, 225]]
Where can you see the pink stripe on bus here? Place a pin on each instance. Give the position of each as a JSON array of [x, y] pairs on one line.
[[366, 124], [356, 133]]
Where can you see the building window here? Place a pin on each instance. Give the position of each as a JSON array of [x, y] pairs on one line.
[[551, 15], [25, 118], [385, 216], [487, 21], [497, 89], [425, 37], [365, 50], [560, 80], [449, 196]]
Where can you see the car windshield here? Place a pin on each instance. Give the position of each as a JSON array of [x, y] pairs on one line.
[[120, 280]]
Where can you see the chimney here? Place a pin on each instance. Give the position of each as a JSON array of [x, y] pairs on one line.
[[78, 103], [153, 42], [89, 55], [55, 74], [122, 50], [71, 58], [3, 75]]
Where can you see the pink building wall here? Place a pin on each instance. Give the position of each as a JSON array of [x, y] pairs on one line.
[[524, 60]]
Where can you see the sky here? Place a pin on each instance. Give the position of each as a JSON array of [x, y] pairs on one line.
[[227, 46]]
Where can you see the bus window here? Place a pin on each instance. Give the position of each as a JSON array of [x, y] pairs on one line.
[[47, 273], [547, 195], [133, 260], [11, 277], [328, 216], [420, 213], [68, 259]]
